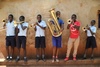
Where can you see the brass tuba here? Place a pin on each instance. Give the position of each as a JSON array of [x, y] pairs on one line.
[[54, 25]]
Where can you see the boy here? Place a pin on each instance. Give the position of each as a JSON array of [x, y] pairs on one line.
[[74, 37], [57, 41], [40, 45], [21, 41], [91, 41], [10, 36]]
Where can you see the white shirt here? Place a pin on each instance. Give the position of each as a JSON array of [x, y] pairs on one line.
[[21, 31], [93, 29], [40, 32], [10, 28]]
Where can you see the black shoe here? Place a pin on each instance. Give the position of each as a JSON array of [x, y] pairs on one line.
[[92, 57], [84, 58], [17, 59], [43, 59], [7, 58], [37, 58], [25, 59]]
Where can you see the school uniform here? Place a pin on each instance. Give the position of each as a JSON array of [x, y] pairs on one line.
[[10, 34], [22, 36], [91, 41], [40, 35]]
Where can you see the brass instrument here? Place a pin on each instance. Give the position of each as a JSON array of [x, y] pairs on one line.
[[85, 28], [54, 25], [4, 22], [32, 25], [69, 21], [16, 23]]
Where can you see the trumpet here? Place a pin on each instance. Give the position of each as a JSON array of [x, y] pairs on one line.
[[4, 22], [33, 25], [85, 28], [69, 21], [16, 23], [53, 24]]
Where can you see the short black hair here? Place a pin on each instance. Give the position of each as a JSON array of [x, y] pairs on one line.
[[93, 21], [74, 15], [11, 16], [39, 15], [58, 12], [22, 17]]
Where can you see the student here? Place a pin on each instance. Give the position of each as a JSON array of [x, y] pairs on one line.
[[57, 40], [10, 36], [40, 45], [73, 38], [21, 41], [91, 41]]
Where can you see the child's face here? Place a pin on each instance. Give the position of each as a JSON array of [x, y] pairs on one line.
[[10, 18], [58, 14], [21, 19], [38, 18], [92, 23], [73, 18]]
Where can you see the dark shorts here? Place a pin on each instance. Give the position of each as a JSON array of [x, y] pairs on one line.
[[57, 41], [21, 42], [91, 42], [40, 42], [10, 41]]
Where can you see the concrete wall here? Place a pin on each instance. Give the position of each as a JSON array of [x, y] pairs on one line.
[[86, 10]]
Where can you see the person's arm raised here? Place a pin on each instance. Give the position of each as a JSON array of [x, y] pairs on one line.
[[23, 27], [40, 26]]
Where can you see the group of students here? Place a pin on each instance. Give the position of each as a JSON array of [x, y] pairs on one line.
[[15, 36], [21, 32]]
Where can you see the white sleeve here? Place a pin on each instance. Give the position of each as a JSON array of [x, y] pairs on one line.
[[94, 30], [26, 24], [44, 24], [18, 26]]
